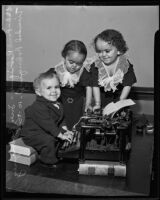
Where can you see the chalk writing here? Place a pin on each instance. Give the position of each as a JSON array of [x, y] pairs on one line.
[[11, 108], [13, 29], [18, 121], [16, 118], [14, 53]]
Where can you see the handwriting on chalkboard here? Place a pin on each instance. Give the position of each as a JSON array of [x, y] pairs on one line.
[[13, 29], [14, 54], [16, 109]]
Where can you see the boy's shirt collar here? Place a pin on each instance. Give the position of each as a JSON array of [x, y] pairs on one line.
[[41, 98], [55, 106]]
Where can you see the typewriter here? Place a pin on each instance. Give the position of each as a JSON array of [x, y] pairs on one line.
[[97, 132], [105, 133]]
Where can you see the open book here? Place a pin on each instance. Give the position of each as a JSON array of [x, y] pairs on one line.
[[114, 107]]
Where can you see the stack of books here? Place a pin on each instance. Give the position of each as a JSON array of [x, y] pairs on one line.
[[21, 153]]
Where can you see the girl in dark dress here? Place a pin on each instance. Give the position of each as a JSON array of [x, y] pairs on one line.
[[111, 69], [74, 76]]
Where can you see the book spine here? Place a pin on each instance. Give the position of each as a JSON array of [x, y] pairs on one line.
[[21, 150], [103, 170], [26, 160]]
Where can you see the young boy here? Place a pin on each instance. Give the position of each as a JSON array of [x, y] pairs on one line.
[[44, 119]]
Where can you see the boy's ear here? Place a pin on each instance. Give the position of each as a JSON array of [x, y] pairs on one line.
[[37, 92], [119, 53]]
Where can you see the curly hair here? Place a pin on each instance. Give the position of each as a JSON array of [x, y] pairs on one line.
[[113, 37], [74, 45]]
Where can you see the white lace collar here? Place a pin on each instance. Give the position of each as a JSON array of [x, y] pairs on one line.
[[65, 77], [110, 82], [68, 79]]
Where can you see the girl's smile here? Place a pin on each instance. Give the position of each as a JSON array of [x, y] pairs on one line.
[[107, 53]]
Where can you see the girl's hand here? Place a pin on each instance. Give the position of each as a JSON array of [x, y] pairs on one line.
[[96, 107], [88, 107]]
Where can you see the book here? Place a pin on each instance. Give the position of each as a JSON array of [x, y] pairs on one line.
[[25, 160], [18, 146], [114, 107], [103, 168]]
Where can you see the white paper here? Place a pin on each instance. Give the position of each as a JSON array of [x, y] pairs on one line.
[[114, 107], [110, 108]]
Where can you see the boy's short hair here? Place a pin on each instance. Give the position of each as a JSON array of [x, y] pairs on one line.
[[46, 75]]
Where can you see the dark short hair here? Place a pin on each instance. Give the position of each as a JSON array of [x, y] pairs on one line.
[[74, 45], [114, 37], [46, 75]]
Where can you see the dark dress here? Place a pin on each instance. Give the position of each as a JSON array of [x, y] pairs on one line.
[[106, 97], [72, 99], [43, 122]]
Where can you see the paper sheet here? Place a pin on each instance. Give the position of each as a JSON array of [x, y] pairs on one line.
[[114, 107]]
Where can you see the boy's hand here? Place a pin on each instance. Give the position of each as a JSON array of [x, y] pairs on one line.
[[68, 136], [65, 128], [69, 133]]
